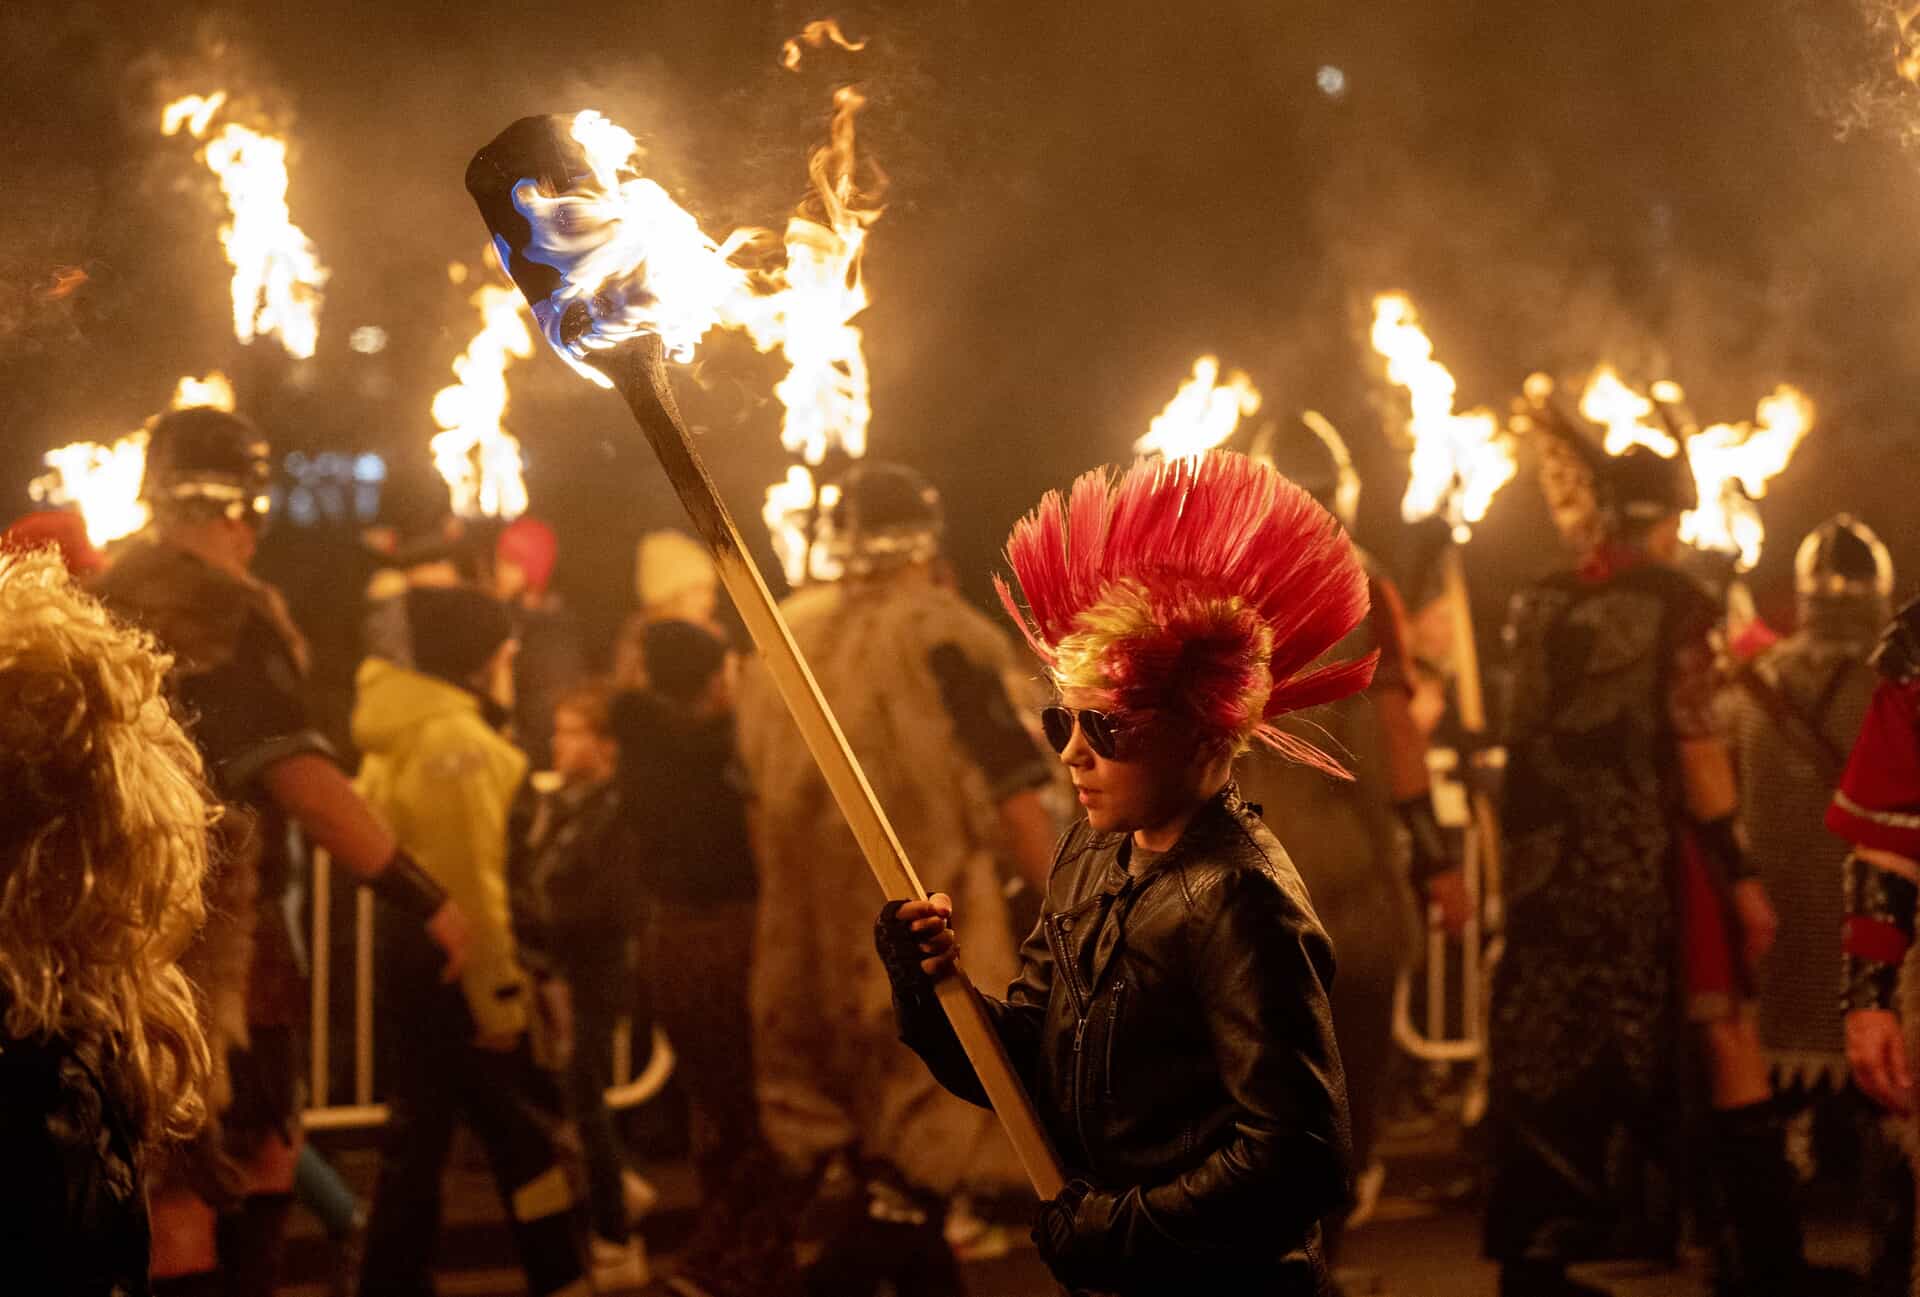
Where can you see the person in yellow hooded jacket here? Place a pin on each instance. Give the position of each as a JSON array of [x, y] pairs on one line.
[[438, 772]]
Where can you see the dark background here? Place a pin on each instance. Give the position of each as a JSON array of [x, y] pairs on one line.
[[1083, 198]]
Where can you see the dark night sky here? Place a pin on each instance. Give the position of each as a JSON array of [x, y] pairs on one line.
[[1083, 199]]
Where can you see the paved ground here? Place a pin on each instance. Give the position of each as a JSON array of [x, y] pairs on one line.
[[1421, 1243]]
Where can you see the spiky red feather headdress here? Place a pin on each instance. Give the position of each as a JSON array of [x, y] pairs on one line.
[[1197, 589]]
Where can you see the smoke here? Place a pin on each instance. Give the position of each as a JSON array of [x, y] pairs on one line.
[[1863, 66], [1080, 204]]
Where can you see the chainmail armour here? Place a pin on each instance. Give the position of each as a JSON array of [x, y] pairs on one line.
[[1821, 674]]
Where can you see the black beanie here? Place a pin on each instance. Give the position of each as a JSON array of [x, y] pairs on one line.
[[455, 630], [680, 658]]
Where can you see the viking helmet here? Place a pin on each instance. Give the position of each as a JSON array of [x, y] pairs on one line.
[[885, 515], [203, 462], [1842, 556]]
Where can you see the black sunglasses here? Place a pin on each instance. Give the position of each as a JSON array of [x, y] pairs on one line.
[[1102, 731]]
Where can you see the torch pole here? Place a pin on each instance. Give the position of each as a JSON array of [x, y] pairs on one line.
[[639, 373], [1471, 701]]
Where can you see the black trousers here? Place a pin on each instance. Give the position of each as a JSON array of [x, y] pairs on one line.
[[1576, 1178], [438, 1080]]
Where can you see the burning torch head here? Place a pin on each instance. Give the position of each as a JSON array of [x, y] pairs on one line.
[[887, 516], [540, 149], [206, 463], [1842, 562]]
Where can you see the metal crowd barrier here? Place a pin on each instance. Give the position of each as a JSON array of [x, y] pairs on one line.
[[1457, 995], [361, 1108]]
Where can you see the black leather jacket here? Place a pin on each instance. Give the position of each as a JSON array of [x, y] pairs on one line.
[[1174, 1032]]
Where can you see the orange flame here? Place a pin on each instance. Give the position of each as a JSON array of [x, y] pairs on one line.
[[807, 307], [102, 482], [1732, 464], [1906, 52], [789, 513], [63, 283], [214, 390], [475, 454], [1202, 414], [816, 34], [1459, 461], [632, 260], [1623, 413], [277, 275]]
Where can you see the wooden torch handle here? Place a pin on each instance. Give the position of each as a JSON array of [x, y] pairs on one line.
[[1473, 709], [639, 372]]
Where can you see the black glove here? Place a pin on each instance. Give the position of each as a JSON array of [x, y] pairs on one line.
[[403, 884], [1071, 1233], [1430, 853], [900, 952]]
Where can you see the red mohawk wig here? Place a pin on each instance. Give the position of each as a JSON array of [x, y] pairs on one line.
[[1196, 589]]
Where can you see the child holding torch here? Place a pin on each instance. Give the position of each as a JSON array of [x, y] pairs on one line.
[[1170, 1016]]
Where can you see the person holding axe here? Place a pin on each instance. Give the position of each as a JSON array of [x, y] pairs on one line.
[[1170, 1015]]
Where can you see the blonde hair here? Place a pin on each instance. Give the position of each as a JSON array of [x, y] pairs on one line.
[[103, 847]]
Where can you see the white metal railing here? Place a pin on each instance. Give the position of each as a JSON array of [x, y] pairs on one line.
[[1466, 996], [361, 1109]]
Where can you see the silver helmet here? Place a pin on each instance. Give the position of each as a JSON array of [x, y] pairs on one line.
[[1843, 556], [879, 516]]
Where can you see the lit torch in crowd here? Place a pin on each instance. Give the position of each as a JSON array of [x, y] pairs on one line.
[[1459, 461], [1623, 412], [619, 277], [1732, 464], [477, 456], [103, 482], [807, 309], [1202, 414], [277, 275], [1457, 465]]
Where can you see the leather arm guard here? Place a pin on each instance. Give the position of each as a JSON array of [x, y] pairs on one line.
[[403, 884], [1721, 840], [1430, 855], [1879, 929]]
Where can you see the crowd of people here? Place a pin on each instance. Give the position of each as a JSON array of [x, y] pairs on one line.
[[1187, 929]]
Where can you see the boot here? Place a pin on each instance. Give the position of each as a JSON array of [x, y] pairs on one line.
[[1760, 1252]]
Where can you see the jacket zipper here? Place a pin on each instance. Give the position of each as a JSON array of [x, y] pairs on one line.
[[1079, 1110], [1113, 1029]]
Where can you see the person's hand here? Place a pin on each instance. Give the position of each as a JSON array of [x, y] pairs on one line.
[[1877, 1054], [1758, 922], [449, 930], [927, 923], [1070, 1233], [1447, 892]]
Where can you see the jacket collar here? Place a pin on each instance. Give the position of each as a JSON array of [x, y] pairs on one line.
[[1221, 809]]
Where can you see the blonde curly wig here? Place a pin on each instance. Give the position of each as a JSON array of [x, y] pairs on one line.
[[103, 846]]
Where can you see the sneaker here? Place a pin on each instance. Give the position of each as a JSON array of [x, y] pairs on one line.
[[618, 1266], [638, 1193]]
